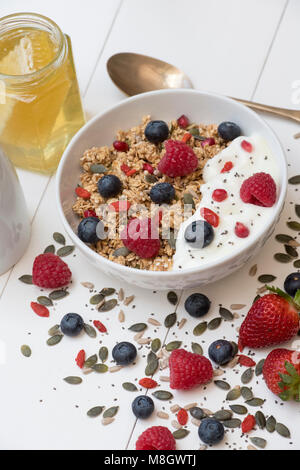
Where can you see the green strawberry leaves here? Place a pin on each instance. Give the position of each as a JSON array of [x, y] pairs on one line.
[[290, 383], [294, 301]]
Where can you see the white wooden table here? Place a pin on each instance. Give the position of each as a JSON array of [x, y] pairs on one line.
[[242, 48]]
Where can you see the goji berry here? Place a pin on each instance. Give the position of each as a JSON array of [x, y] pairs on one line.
[[125, 168], [100, 326], [246, 361], [148, 167], [81, 192], [89, 213], [227, 167], [148, 383], [248, 423], [246, 146], [210, 216], [187, 136], [131, 172], [80, 358], [120, 206], [182, 417], [39, 309]]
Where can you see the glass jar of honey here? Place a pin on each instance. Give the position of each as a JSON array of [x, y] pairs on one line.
[[40, 105]]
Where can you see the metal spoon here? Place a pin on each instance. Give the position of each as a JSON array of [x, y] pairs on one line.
[[136, 73]]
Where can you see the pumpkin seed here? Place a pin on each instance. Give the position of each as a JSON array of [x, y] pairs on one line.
[[283, 238], [247, 376], [155, 345], [282, 257], [26, 278], [25, 350], [294, 225], [260, 419], [172, 297], [197, 349], [255, 402], [111, 412], [107, 291], [43, 300], [194, 131], [239, 409], [235, 348], [172, 239], [98, 168], [223, 415], [95, 411], [297, 209], [297, 263], [96, 299], [122, 251], [180, 433], [232, 423], [197, 413], [54, 340], [92, 360], [58, 294], [291, 251], [53, 330], [258, 442], [173, 345], [226, 314], [130, 387], [103, 353], [200, 328], [137, 327], [151, 357], [49, 249], [233, 394], [162, 395], [266, 278], [271, 424], [256, 298], [170, 320], [282, 430], [65, 250], [90, 330], [253, 270], [73, 380], [188, 200], [259, 367], [100, 368], [149, 178], [109, 305], [294, 179], [59, 238], [151, 367], [214, 323], [247, 394], [222, 384]]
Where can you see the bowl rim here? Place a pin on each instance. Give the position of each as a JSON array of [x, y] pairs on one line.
[[185, 271]]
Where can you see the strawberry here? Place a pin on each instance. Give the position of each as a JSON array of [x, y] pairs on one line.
[[188, 370], [272, 319], [281, 372]]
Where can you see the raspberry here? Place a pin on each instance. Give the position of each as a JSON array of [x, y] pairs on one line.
[[50, 271], [179, 159], [219, 195], [259, 189], [81, 192], [241, 230], [246, 146], [209, 141], [227, 167], [248, 423], [148, 383], [210, 216], [187, 370], [141, 237], [89, 213], [156, 438], [120, 206], [80, 358], [39, 309], [120, 146], [183, 121], [125, 168], [246, 361], [148, 167], [182, 417]]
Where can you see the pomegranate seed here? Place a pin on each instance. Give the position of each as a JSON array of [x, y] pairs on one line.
[[121, 146], [81, 192], [182, 417], [125, 168], [210, 141], [80, 358], [120, 206], [246, 361], [211, 217], [148, 383], [89, 213], [241, 230], [183, 121], [246, 146], [219, 195], [131, 172], [187, 136], [227, 167], [148, 167], [248, 423], [39, 309], [100, 326]]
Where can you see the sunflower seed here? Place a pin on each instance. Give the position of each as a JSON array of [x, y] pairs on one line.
[[100, 368], [293, 243], [144, 341], [258, 442], [121, 316], [98, 168], [25, 350], [238, 409], [103, 353], [73, 380], [90, 330], [182, 323], [197, 349], [170, 320], [218, 372], [122, 251], [154, 322], [88, 285], [26, 278], [54, 340], [233, 362], [172, 297], [95, 411], [109, 305], [250, 447], [222, 384], [247, 376], [121, 295], [282, 430], [259, 367], [294, 179], [260, 419], [271, 424], [110, 412], [164, 378], [59, 238], [65, 250], [294, 225], [43, 300], [214, 323], [188, 200], [255, 402], [237, 306], [49, 249], [106, 421], [266, 278], [155, 345], [234, 394], [226, 314], [91, 361], [128, 300], [180, 433], [173, 345], [151, 367], [58, 294], [223, 415], [189, 406], [130, 387], [53, 330], [175, 424], [247, 394], [138, 327], [162, 415], [291, 251], [175, 408], [253, 270], [115, 368], [200, 328], [162, 395], [232, 423]]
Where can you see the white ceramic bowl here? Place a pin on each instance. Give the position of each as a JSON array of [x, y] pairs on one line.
[[165, 104]]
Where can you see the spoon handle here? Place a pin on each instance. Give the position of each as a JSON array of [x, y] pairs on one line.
[[288, 113]]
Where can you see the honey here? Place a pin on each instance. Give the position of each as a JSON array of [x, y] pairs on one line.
[[40, 105]]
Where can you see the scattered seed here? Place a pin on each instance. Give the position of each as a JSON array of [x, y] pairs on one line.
[[100, 368], [218, 372], [266, 278], [53, 330], [95, 411], [262, 289], [200, 328], [294, 179], [109, 305], [291, 251], [297, 209], [98, 168], [128, 300], [65, 250], [214, 323], [255, 402], [173, 345], [282, 430], [91, 361], [172, 297], [223, 415], [151, 367], [103, 353], [73, 380], [232, 423], [59, 238], [197, 413], [26, 278], [260, 419], [130, 387], [122, 251], [253, 270], [234, 394], [235, 348], [149, 178], [239, 409], [164, 378], [188, 200], [247, 393], [180, 433], [175, 424], [258, 442], [155, 345], [49, 249], [250, 447], [115, 368], [90, 330], [283, 238], [121, 316], [111, 412], [182, 323], [107, 291], [162, 395], [226, 314], [43, 300], [197, 349], [96, 299], [88, 285], [174, 408], [259, 367], [144, 341], [247, 376], [297, 263], [54, 340], [271, 424], [162, 415], [138, 327], [154, 322], [237, 306], [222, 384], [106, 421], [294, 225], [25, 350], [170, 320], [58, 294], [231, 364]]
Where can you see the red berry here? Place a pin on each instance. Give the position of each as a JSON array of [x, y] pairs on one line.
[[120, 146], [50, 271], [187, 136], [131, 172], [100, 326], [259, 189], [183, 121], [120, 206], [179, 159], [148, 383], [287, 362], [81, 192], [227, 167], [248, 423], [89, 213], [210, 216], [39, 309], [246, 146], [125, 168], [141, 236], [188, 370], [209, 141], [246, 361], [80, 358], [182, 417], [156, 438], [241, 230], [148, 167], [219, 195]]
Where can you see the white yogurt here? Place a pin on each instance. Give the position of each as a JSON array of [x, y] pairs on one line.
[[232, 209]]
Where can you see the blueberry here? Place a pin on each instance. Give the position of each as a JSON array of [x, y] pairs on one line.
[[71, 324], [142, 406], [229, 130], [109, 186], [211, 431], [199, 234], [197, 305], [124, 353], [220, 351], [156, 131], [90, 230], [162, 193], [292, 283]]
